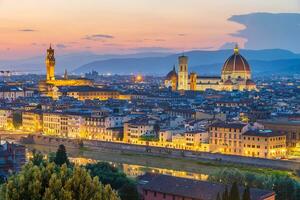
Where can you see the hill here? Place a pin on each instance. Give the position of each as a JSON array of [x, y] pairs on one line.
[[203, 62]]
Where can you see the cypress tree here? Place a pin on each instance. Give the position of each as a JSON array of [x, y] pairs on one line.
[[225, 195], [218, 196], [234, 192], [246, 194], [61, 156]]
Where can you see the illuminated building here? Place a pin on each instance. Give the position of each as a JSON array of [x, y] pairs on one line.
[[245, 140], [49, 86], [264, 144], [171, 80], [106, 128], [32, 121], [136, 128], [226, 137], [289, 126], [87, 92], [236, 75], [55, 124], [6, 119], [183, 73]]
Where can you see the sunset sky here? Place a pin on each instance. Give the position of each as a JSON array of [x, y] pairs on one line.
[[128, 26]]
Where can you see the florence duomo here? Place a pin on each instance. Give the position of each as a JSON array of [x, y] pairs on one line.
[[235, 75]]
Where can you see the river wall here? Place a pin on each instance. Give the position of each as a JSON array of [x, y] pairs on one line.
[[163, 152]]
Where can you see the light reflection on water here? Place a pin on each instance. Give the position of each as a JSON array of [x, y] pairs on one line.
[[137, 170], [132, 170]]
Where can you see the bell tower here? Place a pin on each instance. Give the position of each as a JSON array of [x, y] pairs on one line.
[[50, 64], [183, 73]]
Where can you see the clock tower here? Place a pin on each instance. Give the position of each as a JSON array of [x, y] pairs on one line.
[[50, 64]]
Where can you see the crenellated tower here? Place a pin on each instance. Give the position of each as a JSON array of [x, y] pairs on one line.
[[183, 73], [50, 64]]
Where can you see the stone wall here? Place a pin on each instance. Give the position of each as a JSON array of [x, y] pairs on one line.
[[164, 152]]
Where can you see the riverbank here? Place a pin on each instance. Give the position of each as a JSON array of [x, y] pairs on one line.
[[142, 150], [149, 163]]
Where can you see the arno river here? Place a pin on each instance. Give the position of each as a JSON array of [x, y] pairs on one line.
[[134, 165]]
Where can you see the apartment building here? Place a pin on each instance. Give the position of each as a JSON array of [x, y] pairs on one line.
[[226, 137], [264, 144], [32, 121]]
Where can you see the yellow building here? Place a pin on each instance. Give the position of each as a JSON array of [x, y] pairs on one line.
[[6, 119], [226, 137], [86, 92], [55, 124], [64, 125], [137, 128], [49, 86], [32, 121], [236, 75], [264, 144]]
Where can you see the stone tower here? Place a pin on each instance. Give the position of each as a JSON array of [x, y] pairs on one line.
[[50, 64], [193, 81], [183, 73]]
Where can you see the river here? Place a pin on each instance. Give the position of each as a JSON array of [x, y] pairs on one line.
[[134, 165]]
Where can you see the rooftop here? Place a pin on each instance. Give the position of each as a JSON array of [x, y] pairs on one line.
[[191, 188]]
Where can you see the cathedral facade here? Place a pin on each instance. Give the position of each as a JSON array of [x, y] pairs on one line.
[[49, 87], [235, 75]]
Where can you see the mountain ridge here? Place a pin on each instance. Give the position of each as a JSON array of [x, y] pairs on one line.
[[162, 65]]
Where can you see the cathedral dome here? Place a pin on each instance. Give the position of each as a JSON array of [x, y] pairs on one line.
[[236, 67], [172, 74]]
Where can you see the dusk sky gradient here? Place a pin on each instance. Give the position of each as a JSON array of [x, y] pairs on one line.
[[127, 26]]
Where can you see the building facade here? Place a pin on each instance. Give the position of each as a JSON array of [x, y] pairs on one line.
[[236, 75], [49, 86]]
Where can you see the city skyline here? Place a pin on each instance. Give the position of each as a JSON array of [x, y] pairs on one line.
[[105, 27]]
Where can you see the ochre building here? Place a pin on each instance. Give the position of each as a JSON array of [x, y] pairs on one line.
[[49, 87]]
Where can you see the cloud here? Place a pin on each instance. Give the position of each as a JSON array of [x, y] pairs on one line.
[[268, 30], [27, 30], [181, 34], [147, 49], [228, 45], [98, 37], [61, 46]]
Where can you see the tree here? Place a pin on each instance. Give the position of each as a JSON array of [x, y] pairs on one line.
[[37, 158], [109, 174], [17, 119], [234, 192], [218, 197], [228, 176], [225, 195], [53, 182], [246, 194], [128, 191], [61, 156]]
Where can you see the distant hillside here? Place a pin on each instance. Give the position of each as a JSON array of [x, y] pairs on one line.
[[68, 61], [203, 62]]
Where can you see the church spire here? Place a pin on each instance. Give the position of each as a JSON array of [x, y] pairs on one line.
[[66, 74]]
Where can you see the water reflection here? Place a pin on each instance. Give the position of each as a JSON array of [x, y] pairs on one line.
[[134, 165], [137, 170]]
